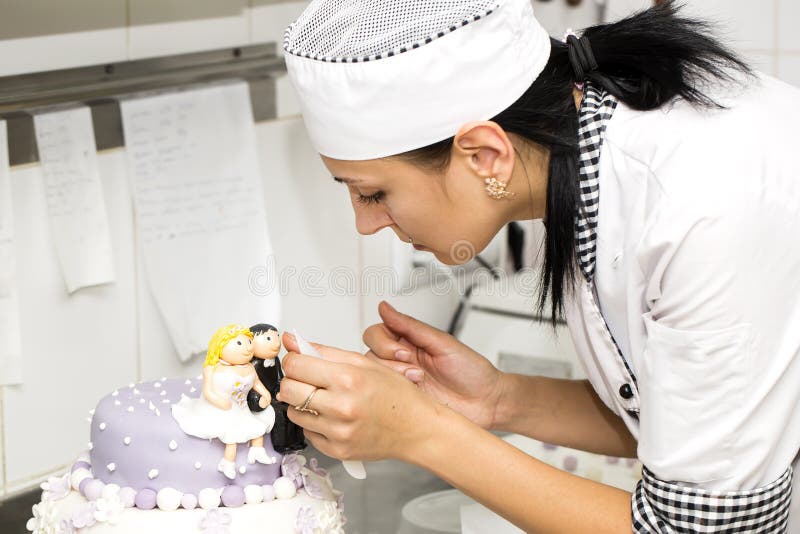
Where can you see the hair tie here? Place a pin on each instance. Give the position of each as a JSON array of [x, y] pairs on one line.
[[581, 56]]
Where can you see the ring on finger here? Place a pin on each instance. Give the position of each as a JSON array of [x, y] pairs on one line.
[[305, 406]]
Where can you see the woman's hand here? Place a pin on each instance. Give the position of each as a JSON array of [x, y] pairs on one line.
[[366, 410], [451, 372]]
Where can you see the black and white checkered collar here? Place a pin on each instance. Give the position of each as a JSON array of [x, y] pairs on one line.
[[597, 107]]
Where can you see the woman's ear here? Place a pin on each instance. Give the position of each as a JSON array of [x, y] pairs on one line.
[[485, 148]]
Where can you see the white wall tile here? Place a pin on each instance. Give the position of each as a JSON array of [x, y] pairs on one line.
[[789, 68], [165, 27], [311, 228], [788, 20], [76, 348], [617, 9], [269, 19], [744, 24], [38, 35], [766, 62], [434, 307]]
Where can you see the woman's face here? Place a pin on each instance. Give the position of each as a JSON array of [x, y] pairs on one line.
[[238, 350], [447, 213], [438, 212]]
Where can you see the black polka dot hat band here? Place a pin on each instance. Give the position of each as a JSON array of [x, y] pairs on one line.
[[380, 77]]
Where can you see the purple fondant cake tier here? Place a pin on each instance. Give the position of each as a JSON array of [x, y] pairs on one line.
[[137, 443]]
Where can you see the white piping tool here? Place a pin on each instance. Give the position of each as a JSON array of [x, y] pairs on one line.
[[354, 468]]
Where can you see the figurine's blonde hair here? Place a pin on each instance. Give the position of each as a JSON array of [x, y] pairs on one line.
[[221, 338]]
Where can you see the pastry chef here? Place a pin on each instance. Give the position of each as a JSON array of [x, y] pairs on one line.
[[664, 171]]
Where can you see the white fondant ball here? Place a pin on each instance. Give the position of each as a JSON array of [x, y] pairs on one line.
[[109, 490], [128, 496], [208, 499], [253, 494], [284, 488], [78, 476], [169, 499], [269, 492], [189, 501], [173, 445]]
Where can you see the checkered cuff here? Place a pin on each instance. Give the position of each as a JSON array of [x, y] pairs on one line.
[[667, 508]]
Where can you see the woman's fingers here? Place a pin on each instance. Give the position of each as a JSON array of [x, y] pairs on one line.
[[416, 332], [309, 369], [398, 367], [331, 354]]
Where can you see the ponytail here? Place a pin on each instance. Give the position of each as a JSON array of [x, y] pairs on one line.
[[646, 61]]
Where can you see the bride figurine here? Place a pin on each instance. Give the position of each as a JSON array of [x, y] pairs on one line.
[[221, 411]]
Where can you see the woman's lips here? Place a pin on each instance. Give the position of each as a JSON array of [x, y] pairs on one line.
[[419, 247]]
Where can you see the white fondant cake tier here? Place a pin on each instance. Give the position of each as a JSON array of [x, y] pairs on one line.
[[279, 516]]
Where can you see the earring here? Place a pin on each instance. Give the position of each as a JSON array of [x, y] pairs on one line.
[[497, 189]]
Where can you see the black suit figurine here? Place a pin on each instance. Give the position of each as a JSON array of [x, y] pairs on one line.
[[286, 436]]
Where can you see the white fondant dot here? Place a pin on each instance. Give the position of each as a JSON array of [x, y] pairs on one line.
[[253, 494], [163, 392], [158, 412], [208, 498], [130, 408], [165, 401], [102, 426], [117, 403], [188, 382], [111, 467], [242, 469], [153, 473], [88, 419], [169, 499], [173, 445], [284, 488], [199, 377], [141, 401], [163, 378], [192, 390], [136, 391], [91, 445], [126, 440], [91, 412], [116, 392], [131, 385], [157, 384], [109, 490], [151, 406], [198, 465]]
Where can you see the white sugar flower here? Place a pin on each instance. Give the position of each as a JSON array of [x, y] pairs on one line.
[[109, 508], [56, 488], [45, 519]]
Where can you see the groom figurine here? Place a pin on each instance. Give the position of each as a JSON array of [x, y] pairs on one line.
[[286, 435]]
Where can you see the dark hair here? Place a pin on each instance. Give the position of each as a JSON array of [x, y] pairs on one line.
[[645, 60], [262, 328]]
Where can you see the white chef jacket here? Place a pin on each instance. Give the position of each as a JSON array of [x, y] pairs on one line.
[[698, 281]]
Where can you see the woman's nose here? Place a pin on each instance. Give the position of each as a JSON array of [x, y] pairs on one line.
[[371, 219]]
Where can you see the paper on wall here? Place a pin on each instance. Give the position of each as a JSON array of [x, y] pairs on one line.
[[200, 215], [74, 194], [10, 338]]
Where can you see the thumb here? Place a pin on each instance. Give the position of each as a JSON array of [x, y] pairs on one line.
[[420, 334]]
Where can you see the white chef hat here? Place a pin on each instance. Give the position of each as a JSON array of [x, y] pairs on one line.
[[380, 77]]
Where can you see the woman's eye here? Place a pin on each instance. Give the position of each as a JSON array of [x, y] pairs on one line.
[[370, 199], [238, 342]]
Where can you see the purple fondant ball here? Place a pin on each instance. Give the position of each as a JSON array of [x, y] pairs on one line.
[[145, 499], [233, 496], [570, 463], [82, 485], [80, 465], [128, 496], [612, 460], [189, 501], [549, 446], [93, 489]]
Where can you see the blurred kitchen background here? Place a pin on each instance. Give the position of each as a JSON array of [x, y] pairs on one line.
[[77, 347]]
